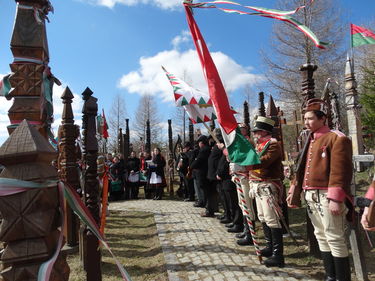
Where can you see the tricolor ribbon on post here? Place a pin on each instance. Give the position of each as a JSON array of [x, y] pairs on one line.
[[13, 186]]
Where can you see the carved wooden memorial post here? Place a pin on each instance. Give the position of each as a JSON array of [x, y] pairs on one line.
[[127, 140], [261, 108], [31, 218], [246, 115], [191, 132], [92, 253], [170, 157], [148, 137], [67, 161]]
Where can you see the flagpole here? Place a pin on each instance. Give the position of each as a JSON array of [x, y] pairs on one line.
[[211, 133]]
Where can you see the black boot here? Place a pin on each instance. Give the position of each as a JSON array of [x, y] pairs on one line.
[[236, 228], [267, 251], [245, 231], [329, 266], [247, 239], [342, 269], [277, 258]]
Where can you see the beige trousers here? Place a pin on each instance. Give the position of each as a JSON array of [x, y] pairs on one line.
[[329, 229], [265, 203], [249, 201]]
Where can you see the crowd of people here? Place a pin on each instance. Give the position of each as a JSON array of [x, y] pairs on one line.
[[126, 176], [256, 192]]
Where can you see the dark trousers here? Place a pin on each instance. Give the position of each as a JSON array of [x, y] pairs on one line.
[[189, 188], [201, 185], [212, 197], [225, 200], [231, 193]]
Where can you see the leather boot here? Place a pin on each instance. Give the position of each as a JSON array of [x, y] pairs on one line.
[[342, 269], [245, 231], [237, 228], [277, 258], [267, 251], [329, 266], [247, 239]]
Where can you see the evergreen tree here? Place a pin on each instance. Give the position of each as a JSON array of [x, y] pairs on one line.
[[367, 100]]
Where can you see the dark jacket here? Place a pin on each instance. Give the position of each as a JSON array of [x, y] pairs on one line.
[[200, 163], [160, 164], [213, 162], [133, 164], [223, 173], [116, 171]]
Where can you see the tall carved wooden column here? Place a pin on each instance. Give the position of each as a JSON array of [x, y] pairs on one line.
[[275, 114], [308, 83], [246, 115], [261, 108], [92, 252], [31, 78], [30, 219], [353, 110], [191, 132], [170, 157], [67, 161], [127, 140], [148, 137], [120, 137]]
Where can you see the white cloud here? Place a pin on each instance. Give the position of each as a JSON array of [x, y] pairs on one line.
[[163, 4], [182, 38], [58, 108], [150, 79]]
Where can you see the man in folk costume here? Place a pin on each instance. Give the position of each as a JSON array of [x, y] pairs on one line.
[[265, 185], [327, 174], [242, 174]]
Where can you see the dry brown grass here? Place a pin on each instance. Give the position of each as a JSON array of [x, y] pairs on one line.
[[133, 238]]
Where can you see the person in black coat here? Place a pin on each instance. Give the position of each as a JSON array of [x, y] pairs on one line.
[[229, 189], [200, 168], [185, 158], [133, 166], [213, 182], [116, 171]]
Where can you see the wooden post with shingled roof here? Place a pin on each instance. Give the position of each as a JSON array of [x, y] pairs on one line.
[[67, 162]]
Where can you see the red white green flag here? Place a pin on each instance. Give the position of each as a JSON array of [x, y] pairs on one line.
[[5, 86], [105, 126], [361, 36], [240, 150], [196, 103]]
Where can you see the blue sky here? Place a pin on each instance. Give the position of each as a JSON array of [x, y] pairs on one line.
[[117, 47]]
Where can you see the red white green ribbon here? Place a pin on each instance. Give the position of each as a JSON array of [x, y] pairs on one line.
[[265, 12], [14, 186], [84, 214], [246, 213]]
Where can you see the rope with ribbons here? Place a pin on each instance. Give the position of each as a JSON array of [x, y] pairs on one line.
[[263, 12], [246, 213], [14, 186]]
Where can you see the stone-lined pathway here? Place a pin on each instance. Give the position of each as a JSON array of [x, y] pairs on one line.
[[197, 248]]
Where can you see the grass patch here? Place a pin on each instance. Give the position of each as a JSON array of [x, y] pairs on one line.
[[133, 238]]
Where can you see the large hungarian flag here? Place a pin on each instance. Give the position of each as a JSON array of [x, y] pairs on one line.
[[240, 150], [361, 36]]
